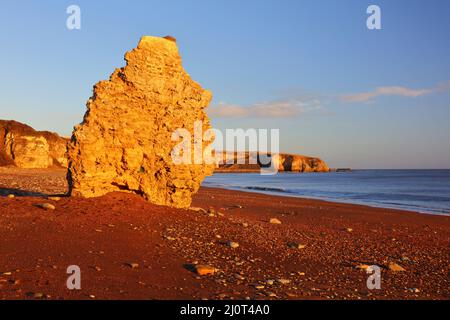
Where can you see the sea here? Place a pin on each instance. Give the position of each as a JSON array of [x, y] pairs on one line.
[[424, 191]]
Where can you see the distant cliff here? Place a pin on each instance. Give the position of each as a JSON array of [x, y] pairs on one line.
[[24, 147], [250, 162]]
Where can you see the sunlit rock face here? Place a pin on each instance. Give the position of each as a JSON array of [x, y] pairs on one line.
[[251, 162], [24, 147], [125, 140], [299, 163]]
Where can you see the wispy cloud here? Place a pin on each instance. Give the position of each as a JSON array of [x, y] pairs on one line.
[[394, 91], [286, 108]]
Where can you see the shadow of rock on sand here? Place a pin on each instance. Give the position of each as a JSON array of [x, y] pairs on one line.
[[26, 193]]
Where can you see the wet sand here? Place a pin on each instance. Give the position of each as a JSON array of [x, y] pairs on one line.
[[128, 248]]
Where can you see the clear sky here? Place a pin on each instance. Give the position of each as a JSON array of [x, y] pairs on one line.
[[355, 97]]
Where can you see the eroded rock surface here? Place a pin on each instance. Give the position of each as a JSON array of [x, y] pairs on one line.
[[24, 147], [124, 142]]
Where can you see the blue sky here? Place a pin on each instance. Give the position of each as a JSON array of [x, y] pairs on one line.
[[355, 97]]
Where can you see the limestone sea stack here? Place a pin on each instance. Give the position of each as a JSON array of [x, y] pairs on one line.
[[125, 140], [24, 147]]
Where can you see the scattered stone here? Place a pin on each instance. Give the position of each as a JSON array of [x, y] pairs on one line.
[[91, 296], [245, 224], [45, 206], [274, 221], [349, 229], [170, 238], [36, 295], [11, 196], [269, 282], [362, 266], [232, 244], [54, 198], [284, 281], [258, 286], [239, 277], [296, 245], [197, 209], [395, 267], [291, 295], [204, 270], [132, 265], [125, 140]]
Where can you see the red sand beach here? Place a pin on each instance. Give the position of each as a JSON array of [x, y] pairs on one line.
[[128, 248]]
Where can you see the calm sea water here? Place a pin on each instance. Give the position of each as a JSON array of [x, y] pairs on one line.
[[426, 191]]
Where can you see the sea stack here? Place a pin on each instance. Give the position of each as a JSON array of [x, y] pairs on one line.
[[125, 140]]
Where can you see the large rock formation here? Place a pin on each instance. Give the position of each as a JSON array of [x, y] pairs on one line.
[[249, 162], [24, 147], [299, 163], [124, 142]]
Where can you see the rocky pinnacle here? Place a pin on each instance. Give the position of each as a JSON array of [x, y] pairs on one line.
[[125, 140]]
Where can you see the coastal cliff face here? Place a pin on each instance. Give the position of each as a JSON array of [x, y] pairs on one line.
[[125, 140], [249, 162], [299, 163], [24, 147]]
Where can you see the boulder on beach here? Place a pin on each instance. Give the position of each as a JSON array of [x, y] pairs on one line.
[[125, 140]]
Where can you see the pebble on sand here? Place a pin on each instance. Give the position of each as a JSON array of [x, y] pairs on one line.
[[132, 265], [11, 196], [284, 281], [46, 206], [274, 221], [36, 295], [204, 270], [232, 244], [296, 245], [258, 286], [362, 266], [197, 209], [396, 267]]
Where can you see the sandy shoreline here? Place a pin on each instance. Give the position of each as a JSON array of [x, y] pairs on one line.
[[130, 249]]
